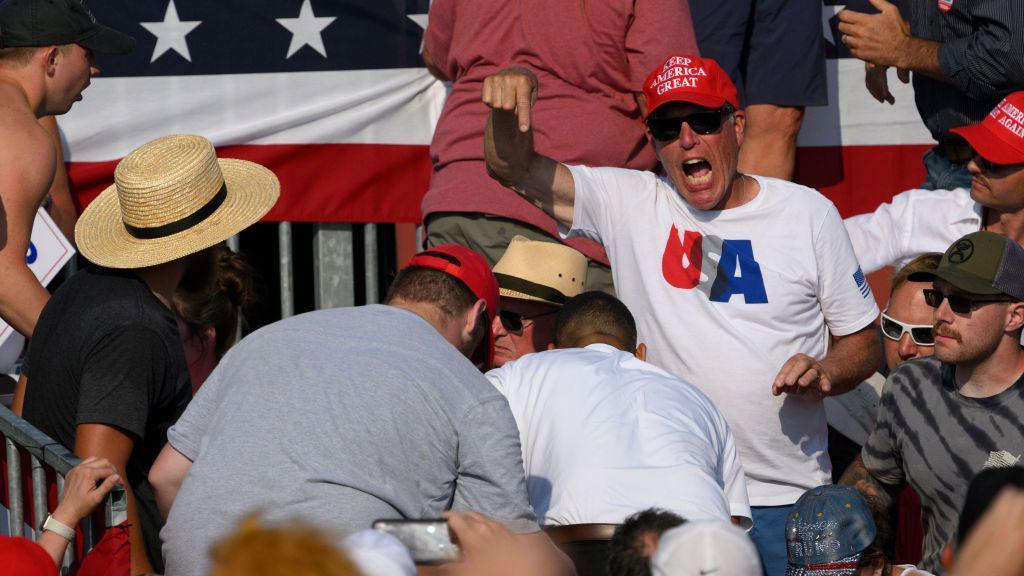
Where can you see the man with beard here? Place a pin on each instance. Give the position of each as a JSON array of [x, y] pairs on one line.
[[919, 221], [942, 419], [737, 281]]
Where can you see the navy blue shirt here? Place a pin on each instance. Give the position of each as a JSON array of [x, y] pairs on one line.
[[981, 56]]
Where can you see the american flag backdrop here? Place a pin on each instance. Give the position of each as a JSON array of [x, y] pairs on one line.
[[333, 96]]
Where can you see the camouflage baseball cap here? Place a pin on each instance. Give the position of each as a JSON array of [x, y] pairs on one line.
[[983, 263]]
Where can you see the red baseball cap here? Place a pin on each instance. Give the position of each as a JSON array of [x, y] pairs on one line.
[[693, 79], [474, 271], [23, 557], [999, 138]]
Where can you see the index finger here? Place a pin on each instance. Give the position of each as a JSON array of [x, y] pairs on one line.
[[780, 377], [524, 103], [851, 16]]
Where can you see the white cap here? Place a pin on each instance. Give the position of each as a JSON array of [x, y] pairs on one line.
[[379, 554], [706, 548]]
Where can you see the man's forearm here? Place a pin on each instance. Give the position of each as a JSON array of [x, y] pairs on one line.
[[852, 359], [921, 56], [512, 161], [881, 497], [22, 297], [140, 560]]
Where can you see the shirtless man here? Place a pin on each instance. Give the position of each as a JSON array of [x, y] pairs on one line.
[[46, 61]]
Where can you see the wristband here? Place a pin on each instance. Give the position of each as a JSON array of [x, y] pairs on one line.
[[59, 528]]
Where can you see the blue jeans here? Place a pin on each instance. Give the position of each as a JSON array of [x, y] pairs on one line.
[[944, 174], [769, 535]]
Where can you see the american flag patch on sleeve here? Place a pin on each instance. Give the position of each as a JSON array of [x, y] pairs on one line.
[[862, 283]]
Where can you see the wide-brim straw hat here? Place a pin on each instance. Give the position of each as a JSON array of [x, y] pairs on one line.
[[540, 271], [173, 197]]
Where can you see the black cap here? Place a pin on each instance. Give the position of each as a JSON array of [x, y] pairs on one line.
[[33, 23]]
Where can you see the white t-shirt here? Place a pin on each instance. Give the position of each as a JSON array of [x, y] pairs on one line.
[[605, 435], [724, 298], [914, 222]]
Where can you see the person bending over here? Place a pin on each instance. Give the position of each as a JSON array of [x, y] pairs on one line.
[[605, 434]]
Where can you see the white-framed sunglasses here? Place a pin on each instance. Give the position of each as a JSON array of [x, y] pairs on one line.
[[893, 329]]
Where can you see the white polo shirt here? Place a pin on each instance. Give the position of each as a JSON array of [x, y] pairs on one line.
[[606, 435]]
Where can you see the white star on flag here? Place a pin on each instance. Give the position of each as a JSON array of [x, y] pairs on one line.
[[827, 14], [306, 30], [170, 34]]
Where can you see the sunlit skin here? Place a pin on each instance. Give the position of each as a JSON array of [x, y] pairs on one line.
[[998, 187], [967, 338], [906, 304], [535, 336], [726, 188], [68, 74]]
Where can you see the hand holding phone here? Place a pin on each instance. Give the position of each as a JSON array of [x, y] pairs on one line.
[[428, 541]]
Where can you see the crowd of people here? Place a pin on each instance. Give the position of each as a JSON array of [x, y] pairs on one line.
[[631, 346]]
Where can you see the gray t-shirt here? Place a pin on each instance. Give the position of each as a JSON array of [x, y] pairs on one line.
[[337, 418], [931, 436]]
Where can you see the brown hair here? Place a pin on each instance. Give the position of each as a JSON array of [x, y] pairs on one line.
[[426, 285], [923, 263], [218, 296], [288, 550]]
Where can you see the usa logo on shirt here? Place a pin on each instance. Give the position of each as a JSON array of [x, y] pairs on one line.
[[862, 283], [945, 5], [686, 265]]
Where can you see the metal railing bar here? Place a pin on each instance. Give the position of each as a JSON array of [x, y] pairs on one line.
[[16, 512], [370, 262], [284, 249], [38, 493]]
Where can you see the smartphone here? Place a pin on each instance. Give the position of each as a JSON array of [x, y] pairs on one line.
[[427, 540]]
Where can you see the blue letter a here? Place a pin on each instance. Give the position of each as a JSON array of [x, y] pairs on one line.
[[749, 282]]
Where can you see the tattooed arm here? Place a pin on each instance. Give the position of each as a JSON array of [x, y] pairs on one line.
[[880, 496]]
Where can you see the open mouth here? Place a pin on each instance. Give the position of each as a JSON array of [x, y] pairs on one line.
[[697, 171]]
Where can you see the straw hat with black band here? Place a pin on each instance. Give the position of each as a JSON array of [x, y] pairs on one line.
[[540, 271], [173, 197]]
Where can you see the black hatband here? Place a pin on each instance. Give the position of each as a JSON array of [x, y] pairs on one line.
[[181, 225], [530, 288]]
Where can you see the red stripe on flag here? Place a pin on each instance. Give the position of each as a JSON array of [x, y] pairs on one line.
[[859, 178], [385, 183], [319, 182]]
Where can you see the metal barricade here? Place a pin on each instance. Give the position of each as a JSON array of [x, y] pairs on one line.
[[44, 452]]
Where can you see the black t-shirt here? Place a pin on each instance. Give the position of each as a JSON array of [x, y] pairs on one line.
[[107, 351]]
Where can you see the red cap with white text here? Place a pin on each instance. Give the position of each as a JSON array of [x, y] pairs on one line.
[[999, 138], [474, 271], [700, 81]]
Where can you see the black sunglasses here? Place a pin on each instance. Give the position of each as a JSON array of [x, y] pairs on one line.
[[893, 329], [513, 321], [958, 302], [704, 122], [992, 168]]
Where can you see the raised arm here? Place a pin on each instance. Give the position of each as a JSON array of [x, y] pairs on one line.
[[508, 146]]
